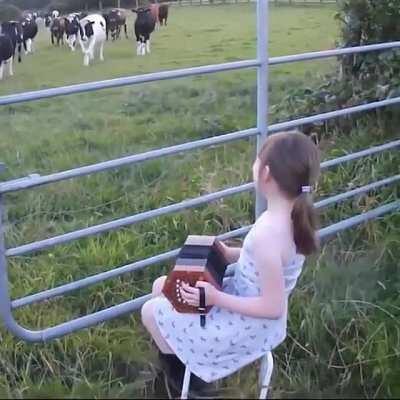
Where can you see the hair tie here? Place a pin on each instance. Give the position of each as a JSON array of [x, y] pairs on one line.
[[306, 189]]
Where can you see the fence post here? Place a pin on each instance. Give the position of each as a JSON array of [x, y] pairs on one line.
[[262, 84]]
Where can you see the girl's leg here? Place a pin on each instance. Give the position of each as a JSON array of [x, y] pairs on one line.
[[158, 286], [151, 325], [148, 318]]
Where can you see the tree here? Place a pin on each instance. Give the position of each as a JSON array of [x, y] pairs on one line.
[[9, 12]]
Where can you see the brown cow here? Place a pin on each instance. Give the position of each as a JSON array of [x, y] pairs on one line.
[[154, 10], [57, 30], [163, 14]]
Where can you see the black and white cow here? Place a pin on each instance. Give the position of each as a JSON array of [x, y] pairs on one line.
[[115, 20], [47, 21], [50, 17], [6, 55], [29, 31], [13, 30], [92, 36], [144, 26], [72, 30]]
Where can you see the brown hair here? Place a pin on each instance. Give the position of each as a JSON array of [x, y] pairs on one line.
[[293, 161]]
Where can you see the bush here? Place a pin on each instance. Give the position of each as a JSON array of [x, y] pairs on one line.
[[368, 22], [361, 78]]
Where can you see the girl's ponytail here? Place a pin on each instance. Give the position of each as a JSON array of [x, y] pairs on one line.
[[305, 221]]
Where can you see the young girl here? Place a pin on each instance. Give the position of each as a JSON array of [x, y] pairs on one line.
[[249, 316]]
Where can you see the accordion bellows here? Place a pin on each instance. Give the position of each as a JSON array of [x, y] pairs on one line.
[[200, 259]]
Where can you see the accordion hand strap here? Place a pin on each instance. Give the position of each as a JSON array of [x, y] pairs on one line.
[[202, 307]]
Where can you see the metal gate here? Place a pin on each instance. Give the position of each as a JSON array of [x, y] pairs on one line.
[[261, 63]]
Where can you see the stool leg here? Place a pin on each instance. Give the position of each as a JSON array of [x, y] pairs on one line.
[[186, 383], [267, 366]]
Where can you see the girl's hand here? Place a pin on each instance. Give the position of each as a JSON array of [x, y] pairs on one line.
[[223, 248], [231, 254], [192, 294]]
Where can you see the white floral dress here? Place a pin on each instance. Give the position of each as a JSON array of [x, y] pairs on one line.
[[229, 340]]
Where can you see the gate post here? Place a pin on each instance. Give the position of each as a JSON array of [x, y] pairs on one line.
[[5, 303], [262, 84]]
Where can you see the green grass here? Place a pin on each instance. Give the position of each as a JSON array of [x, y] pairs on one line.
[[195, 36], [344, 326]]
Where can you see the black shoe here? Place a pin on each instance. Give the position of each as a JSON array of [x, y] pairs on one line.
[[175, 372]]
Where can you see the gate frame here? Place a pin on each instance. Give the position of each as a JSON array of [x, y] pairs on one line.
[[261, 131]]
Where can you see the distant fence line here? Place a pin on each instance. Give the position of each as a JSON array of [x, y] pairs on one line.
[[276, 2]]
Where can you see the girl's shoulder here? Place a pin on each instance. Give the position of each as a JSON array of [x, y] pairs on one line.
[[265, 234], [267, 226]]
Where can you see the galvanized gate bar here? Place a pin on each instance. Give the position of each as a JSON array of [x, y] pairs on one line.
[[262, 87], [96, 229], [30, 182], [359, 154], [358, 219], [121, 222], [37, 180], [357, 191], [138, 265], [130, 80], [185, 72], [133, 305], [333, 114], [316, 55]]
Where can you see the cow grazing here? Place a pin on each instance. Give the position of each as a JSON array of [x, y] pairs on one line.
[[6, 54], [163, 14], [92, 36], [29, 31], [144, 26], [115, 20], [57, 30], [13, 30], [72, 30]]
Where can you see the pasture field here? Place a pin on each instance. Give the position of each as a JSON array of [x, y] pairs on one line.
[[343, 330]]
